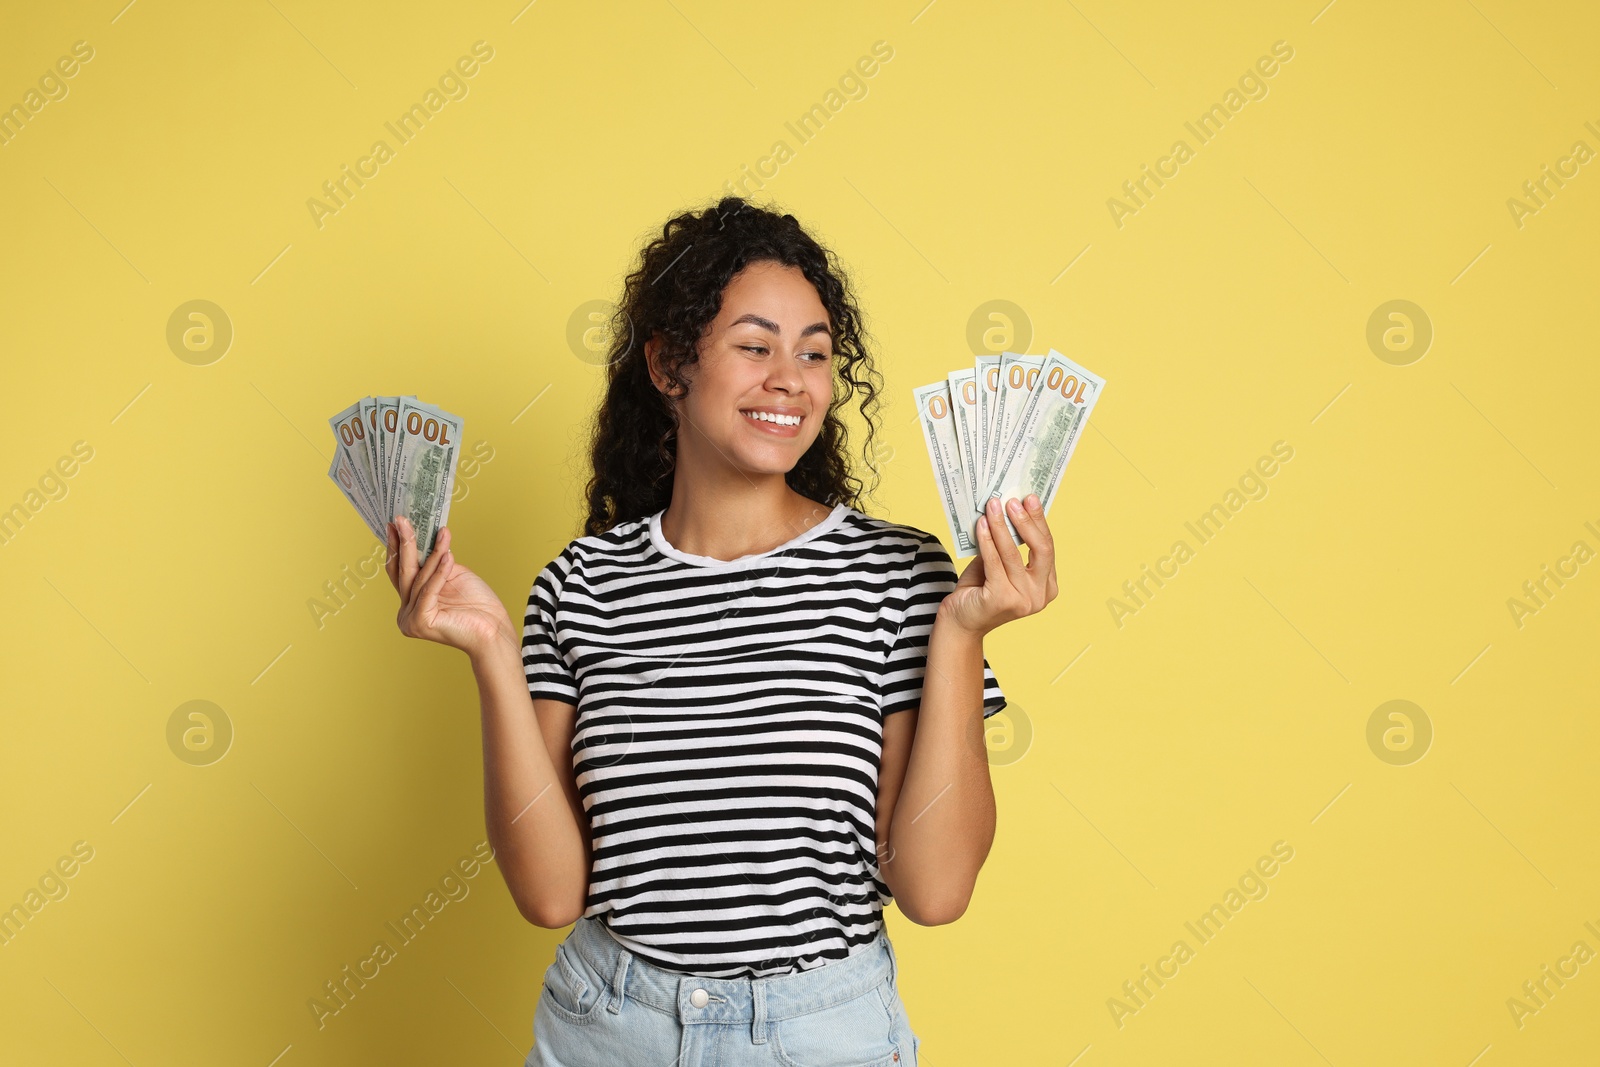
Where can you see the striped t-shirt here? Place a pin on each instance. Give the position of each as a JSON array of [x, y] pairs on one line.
[[730, 730]]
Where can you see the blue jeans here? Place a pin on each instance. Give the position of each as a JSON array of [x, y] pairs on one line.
[[603, 1006]]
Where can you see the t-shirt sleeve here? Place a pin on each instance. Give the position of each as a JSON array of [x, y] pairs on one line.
[[932, 576], [549, 675]]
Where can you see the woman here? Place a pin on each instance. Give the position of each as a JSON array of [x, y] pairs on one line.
[[710, 749]]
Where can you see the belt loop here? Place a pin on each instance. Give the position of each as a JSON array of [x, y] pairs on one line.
[[619, 980], [758, 997]]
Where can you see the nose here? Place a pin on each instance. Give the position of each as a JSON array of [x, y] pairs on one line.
[[784, 374]]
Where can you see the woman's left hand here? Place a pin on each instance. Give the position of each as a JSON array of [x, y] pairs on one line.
[[997, 586]]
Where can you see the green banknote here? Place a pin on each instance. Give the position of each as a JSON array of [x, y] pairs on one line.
[[1006, 428], [395, 455]]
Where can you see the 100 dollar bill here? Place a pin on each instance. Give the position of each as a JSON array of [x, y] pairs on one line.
[[937, 414], [350, 441], [964, 401], [1017, 375], [344, 476], [1046, 432], [424, 469], [986, 379]]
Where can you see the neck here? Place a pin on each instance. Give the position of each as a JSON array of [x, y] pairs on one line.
[[738, 516]]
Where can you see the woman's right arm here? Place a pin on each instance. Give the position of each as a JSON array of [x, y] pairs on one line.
[[534, 818]]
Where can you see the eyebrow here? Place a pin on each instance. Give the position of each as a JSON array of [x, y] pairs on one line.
[[769, 325]]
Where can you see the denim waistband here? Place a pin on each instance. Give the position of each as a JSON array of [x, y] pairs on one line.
[[693, 999]]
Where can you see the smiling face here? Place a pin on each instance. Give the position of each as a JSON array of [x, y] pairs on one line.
[[761, 388]]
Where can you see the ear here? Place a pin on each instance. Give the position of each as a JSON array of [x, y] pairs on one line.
[[652, 353], [652, 350]]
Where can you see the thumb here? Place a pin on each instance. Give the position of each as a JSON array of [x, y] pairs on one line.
[[974, 572]]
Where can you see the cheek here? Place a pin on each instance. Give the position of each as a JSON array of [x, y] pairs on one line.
[[723, 373]]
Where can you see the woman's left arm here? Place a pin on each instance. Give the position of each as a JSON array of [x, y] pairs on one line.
[[936, 808]]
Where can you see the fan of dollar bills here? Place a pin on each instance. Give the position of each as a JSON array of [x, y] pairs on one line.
[[393, 456], [1005, 427]]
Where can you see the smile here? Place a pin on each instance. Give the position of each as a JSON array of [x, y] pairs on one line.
[[775, 421]]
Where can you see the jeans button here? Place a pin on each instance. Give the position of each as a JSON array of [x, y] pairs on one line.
[[699, 998]]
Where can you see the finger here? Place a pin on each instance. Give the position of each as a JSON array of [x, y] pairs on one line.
[[391, 562], [987, 551], [975, 568], [435, 572], [408, 556], [1035, 510], [1010, 556], [441, 544], [428, 568], [1046, 549], [1030, 523]]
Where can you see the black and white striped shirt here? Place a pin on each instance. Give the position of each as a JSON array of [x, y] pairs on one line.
[[730, 730]]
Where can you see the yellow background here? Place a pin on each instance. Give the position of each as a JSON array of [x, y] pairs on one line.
[[1230, 312]]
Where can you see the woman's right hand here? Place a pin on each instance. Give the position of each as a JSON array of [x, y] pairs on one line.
[[442, 600]]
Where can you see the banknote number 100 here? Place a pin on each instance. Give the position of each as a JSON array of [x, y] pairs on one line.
[[1069, 385], [432, 430], [1023, 376]]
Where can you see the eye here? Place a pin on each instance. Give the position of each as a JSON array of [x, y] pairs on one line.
[[816, 357]]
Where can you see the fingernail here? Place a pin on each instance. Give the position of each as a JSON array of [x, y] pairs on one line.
[[1014, 506]]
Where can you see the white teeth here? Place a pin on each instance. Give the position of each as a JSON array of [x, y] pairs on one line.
[[781, 420]]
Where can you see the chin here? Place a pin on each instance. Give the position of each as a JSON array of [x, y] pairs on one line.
[[768, 468], [778, 457], [765, 463]]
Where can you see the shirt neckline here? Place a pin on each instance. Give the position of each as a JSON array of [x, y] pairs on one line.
[[661, 544]]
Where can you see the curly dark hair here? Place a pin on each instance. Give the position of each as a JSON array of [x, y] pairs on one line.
[[676, 291]]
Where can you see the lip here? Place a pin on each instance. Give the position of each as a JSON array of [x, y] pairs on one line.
[[771, 427]]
